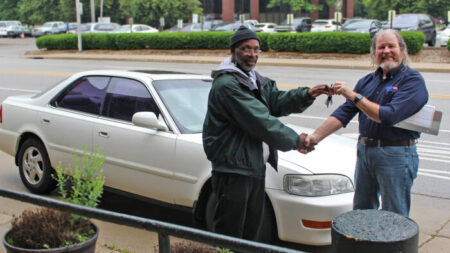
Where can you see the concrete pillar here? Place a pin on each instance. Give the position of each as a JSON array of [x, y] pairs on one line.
[[254, 9], [227, 10], [315, 14]]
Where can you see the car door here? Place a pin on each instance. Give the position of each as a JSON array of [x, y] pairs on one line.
[[66, 124], [139, 160]]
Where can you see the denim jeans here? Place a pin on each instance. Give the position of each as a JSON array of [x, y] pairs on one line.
[[386, 171]]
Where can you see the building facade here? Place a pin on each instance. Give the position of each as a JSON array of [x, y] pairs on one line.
[[229, 10]]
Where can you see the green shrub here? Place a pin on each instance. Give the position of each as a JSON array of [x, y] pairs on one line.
[[282, 42], [333, 42], [317, 42], [448, 45], [414, 41]]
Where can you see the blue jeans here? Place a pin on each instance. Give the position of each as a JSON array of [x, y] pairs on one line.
[[386, 171]]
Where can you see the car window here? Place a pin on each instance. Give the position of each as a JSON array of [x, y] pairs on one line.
[[406, 20], [85, 95], [186, 101], [125, 97]]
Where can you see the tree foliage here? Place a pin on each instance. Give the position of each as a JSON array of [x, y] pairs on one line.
[[119, 11], [379, 8], [296, 5]]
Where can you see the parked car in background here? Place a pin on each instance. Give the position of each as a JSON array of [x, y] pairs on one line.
[[49, 28], [302, 24], [443, 36], [416, 22], [325, 25], [370, 26], [266, 27], [150, 126], [11, 28], [136, 28], [102, 27], [229, 27]]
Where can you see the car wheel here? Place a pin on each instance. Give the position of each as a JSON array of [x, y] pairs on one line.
[[34, 167]]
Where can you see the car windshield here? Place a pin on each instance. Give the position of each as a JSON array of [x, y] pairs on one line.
[[359, 24], [406, 20], [186, 100], [48, 25]]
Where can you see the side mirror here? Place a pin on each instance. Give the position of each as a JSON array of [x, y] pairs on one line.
[[148, 120]]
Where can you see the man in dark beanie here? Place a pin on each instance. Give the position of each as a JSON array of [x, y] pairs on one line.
[[241, 133]]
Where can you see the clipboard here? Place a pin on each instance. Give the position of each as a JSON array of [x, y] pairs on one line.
[[427, 120]]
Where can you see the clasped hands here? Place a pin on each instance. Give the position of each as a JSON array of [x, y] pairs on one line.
[[307, 143]]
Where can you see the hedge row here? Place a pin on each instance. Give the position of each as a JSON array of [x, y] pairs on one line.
[[320, 42]]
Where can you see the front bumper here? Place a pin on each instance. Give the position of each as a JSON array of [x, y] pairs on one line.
[[291, 210]]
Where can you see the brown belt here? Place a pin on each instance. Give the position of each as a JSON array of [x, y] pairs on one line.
[[382, 143]]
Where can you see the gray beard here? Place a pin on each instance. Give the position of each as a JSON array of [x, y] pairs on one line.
[[240, 64], [387, 67]]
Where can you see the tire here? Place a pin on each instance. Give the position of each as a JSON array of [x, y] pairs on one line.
[[34, 167]]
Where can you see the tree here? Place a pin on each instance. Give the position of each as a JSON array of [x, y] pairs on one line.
[[379, 8], [38, 11], [8, 10], [296, 5], [150, 11]]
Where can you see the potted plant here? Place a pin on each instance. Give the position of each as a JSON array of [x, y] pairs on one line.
[[50, 230]]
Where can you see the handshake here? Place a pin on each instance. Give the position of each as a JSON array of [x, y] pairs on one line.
[[307, 143]]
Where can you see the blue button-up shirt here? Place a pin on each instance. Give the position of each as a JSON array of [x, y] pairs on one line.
[[401, 94]]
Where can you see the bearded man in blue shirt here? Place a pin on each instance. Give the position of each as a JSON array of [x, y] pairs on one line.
[[387, 160]]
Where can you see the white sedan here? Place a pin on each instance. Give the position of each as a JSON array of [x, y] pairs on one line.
[[325, 25], [443, 36], [137, 28], [150, 124]]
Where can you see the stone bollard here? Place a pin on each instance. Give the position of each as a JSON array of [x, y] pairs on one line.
[[374, 231]]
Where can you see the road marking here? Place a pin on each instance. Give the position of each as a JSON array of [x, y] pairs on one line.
[[432, 175], [35, 73], [20, 90]]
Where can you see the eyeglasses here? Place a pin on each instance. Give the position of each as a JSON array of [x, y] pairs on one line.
[[248, 50]]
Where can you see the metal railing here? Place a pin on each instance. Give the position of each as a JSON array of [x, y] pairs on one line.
[[164, 229]]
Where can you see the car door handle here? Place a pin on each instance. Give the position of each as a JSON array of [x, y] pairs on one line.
[[103, 134], [45, 121]]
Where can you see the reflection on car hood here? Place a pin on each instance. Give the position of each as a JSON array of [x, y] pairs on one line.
[[335, 154]]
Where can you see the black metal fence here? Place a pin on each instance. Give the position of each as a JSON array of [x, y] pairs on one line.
[[164, 229]]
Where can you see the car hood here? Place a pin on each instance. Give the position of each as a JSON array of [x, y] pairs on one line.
[[334, 155]]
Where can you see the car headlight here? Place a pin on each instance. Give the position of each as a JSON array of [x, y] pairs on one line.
[[317, 185]]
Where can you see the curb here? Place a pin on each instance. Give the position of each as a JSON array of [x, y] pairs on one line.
[[208, 59]]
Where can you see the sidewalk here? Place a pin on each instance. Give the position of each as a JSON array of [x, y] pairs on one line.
[[431, 214]]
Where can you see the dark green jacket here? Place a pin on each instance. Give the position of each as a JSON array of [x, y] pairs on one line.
[[240, 117]]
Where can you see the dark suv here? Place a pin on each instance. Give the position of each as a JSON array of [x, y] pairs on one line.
[[416, 22], [302, 24]]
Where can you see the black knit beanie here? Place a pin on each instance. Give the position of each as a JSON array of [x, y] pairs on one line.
[[243, 33]]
